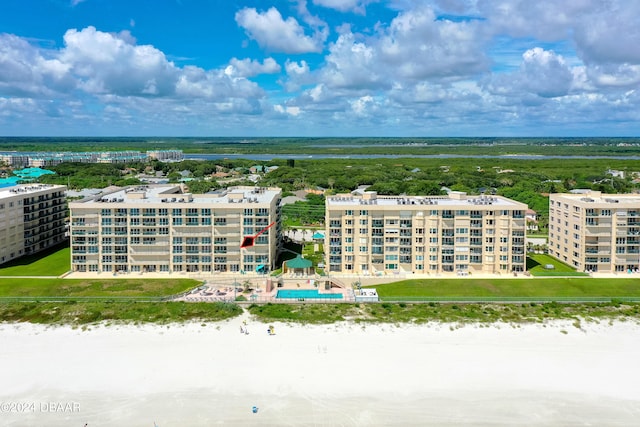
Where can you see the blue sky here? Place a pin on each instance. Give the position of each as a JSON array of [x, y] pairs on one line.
[[414, 68]]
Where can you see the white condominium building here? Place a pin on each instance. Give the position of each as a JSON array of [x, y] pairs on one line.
[[458, 234], [166, 155], [596, 232], [31, 219], [162, 229]]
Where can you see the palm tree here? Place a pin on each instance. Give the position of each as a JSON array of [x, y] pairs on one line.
[[246, 285]]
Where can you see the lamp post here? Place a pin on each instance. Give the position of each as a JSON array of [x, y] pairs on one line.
[[235, 287]]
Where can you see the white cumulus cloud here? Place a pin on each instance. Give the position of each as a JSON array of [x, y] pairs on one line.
[[24, 70], [418, 45], [274, 33], [250, 67], [107, 63], [543, 73], [357, 6]]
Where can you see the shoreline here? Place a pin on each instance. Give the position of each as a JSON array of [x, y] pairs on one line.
[[339, 374]]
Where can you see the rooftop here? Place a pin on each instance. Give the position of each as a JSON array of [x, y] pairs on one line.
[[454, 200], [26, 189], [175, 194], [598, 197]]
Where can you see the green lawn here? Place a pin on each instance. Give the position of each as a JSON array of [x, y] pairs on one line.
[[536, 266], [52, 262], [510, 288], [311, 255], [94, 287], [537, 236]]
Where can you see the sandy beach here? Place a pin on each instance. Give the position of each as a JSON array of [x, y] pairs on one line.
[[333, 375]]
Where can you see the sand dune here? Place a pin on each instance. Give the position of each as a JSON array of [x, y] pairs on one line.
[[345, 374]]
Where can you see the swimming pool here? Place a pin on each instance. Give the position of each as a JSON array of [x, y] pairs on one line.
[[304, 293]]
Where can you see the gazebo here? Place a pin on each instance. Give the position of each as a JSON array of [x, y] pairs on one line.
[[298, 265], [318, 236]]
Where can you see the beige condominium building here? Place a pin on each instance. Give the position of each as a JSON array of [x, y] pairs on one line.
[[595, 232], [31, 219], [163, 229], [456, 234]]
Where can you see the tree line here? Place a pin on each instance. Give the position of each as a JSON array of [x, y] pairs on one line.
[[527, 181]]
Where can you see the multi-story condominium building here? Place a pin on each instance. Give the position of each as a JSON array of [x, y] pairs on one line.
[[14, 159], [458, 233], [31, 219], [595, 232], [44, 159], [166, 155], [162, 229]]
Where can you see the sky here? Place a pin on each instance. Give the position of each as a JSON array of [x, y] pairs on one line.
[[320, 68]]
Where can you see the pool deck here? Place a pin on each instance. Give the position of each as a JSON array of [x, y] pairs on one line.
[[226, 293]]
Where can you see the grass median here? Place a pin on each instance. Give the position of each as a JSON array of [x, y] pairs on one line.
[[30, 287], [529, 288], [128, 312]]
